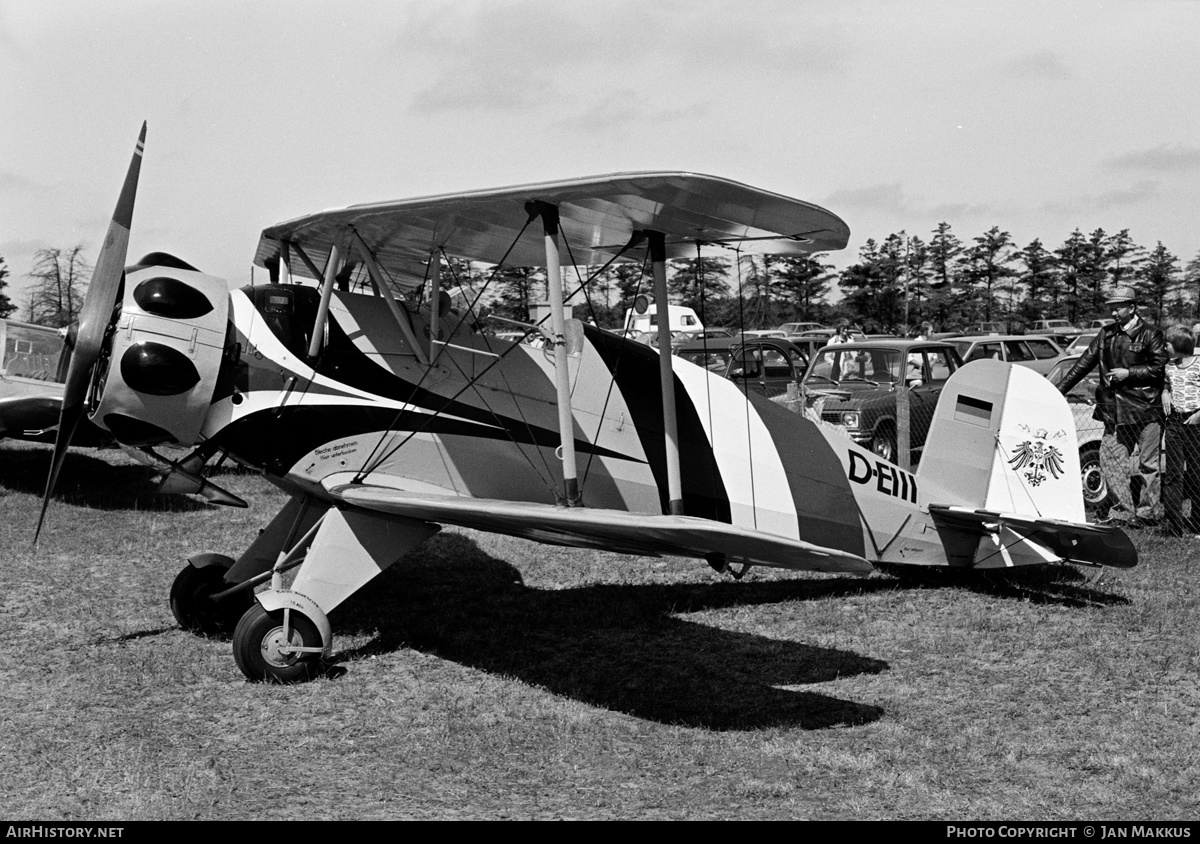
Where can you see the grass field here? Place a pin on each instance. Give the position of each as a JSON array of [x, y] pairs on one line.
[[489, 678]]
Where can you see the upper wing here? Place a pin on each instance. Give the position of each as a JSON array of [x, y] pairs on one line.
[[597, 215], [611, 530]]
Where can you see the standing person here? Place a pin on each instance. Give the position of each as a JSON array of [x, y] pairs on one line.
[[1181, 477], [842, 335], [926, 332], [1132, 356]]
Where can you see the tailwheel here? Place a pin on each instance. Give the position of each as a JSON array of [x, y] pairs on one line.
[[266, 646], [194, 608]]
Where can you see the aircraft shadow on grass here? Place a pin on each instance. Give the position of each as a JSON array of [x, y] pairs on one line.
[[89, 481], [621, 647], [625, 648], [1057, 585]]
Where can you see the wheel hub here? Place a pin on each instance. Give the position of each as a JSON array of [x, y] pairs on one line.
[[278, 649]]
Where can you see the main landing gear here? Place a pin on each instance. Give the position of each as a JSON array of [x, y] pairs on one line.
[[283, 635], [281, 646], [192, 593]]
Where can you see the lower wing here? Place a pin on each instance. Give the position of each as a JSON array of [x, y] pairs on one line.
[[611, 530]]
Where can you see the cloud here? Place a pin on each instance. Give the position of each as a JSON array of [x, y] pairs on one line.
[[14, 183], [1043, 64], [1139, 192], [883, 197], [1161, 159]]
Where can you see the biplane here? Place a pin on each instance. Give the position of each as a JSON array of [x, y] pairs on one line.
[[386, 410]]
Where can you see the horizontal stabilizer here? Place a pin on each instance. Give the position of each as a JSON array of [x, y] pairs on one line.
[[608, 530], [1019, 540]]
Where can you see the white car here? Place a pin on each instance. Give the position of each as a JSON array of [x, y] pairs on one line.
[[1032, 351]]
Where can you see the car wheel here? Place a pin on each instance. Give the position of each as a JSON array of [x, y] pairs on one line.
[[1096, 497], [884, 444]]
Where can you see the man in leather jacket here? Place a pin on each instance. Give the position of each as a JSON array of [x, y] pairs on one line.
[[1132, 357]]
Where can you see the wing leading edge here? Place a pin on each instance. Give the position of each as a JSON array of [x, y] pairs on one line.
[[612, 530], [598, 215]]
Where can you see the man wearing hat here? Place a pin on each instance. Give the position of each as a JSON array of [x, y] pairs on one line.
[[1132, 357]]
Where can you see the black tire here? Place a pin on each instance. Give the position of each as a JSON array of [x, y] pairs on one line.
[[1097, 499], [884, 443], [258, 637], [193, 606]]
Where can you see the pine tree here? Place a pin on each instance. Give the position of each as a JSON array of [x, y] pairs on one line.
[[1158, 279], [1191, 278], [695, 281], [985, 269], [7, 308], [1041, 282], [803, 281]]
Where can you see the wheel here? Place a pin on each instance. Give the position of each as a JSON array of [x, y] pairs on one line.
[[1096, 497], [884, 444], [193, 606], [258, 642]]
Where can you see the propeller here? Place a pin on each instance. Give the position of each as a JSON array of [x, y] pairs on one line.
[[97, 312]]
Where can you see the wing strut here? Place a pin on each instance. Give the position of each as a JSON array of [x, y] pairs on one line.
[[398, 313], [562, 383], [435, 293], [666, 373], [318, 334]]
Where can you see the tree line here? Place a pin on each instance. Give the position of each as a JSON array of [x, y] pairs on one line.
[[895, 284], [901, 281]]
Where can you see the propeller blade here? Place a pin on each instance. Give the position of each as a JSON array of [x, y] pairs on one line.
[[97, 311]]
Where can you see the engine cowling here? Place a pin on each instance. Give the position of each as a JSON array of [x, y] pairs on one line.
[[158, 371]]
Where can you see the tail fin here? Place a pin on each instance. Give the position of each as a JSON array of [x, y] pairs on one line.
[[1003, 440]]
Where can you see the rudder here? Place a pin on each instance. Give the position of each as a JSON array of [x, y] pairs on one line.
[[1003, 439]]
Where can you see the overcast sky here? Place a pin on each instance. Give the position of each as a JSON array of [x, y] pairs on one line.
[[1037, 117]]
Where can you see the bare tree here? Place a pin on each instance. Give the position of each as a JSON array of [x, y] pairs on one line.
[[59, 278]]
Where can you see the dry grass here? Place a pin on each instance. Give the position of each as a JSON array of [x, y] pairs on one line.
[[491, 678]]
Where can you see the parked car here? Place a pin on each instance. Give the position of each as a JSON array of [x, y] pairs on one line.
[[711, 353], [984, 328], [1097, 324], [853, 387], [1037, 353], [1079, 344], [1060, 329], [767, 365], [822, 335], [1082, 399], [763, 332], [800, 327]]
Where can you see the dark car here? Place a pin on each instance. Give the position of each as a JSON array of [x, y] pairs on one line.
[[767, 365], [713, 353], [854, 386]]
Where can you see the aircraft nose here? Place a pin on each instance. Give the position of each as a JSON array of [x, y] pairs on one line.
[[160, 371]]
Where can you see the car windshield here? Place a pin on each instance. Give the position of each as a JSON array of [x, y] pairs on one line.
[[759, 362], [881, 366]]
